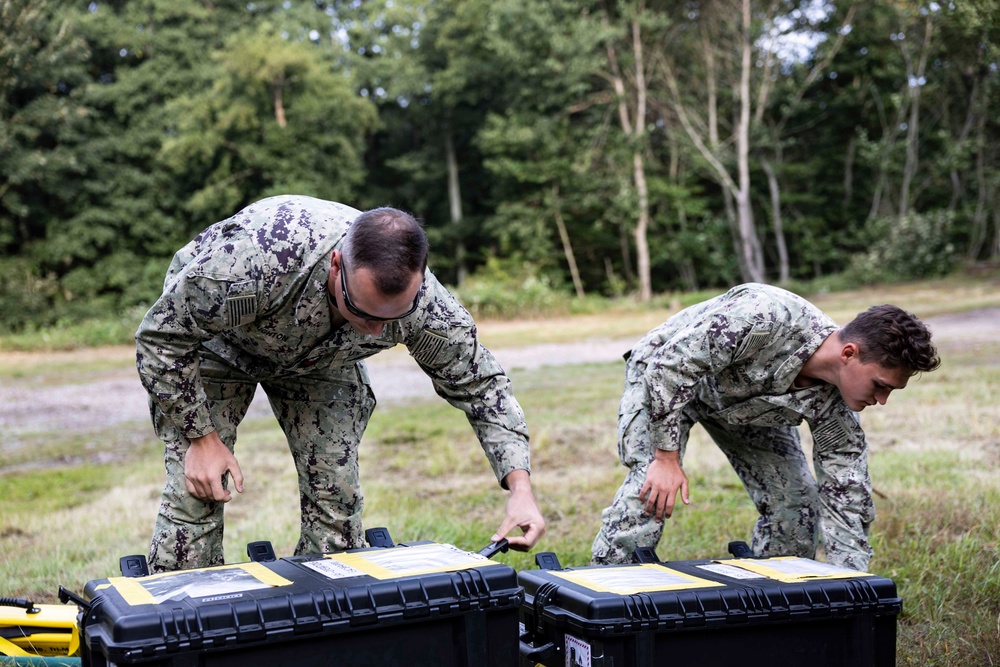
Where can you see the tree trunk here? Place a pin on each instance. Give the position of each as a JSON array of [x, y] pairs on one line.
[[455, 204], [641, 230], [635, 129], [711, 86], [970, 120], [852, 148], [913, 127], [980, 219], [890, 132], [751, 250], [567, 246], [626, 248], [779, 233], [279, 105]]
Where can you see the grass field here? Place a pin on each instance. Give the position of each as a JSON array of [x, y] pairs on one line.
[[935, 461]]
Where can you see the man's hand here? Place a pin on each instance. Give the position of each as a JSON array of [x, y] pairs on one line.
[[522, 512], [205, 464], [664, 479]]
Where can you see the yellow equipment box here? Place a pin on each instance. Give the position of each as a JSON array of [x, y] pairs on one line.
[[28, 629]]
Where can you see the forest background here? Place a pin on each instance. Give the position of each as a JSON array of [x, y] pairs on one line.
[[565, 156], [554, 148]]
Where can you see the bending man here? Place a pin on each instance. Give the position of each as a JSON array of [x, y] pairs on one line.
[[749, 366], [292, 294]]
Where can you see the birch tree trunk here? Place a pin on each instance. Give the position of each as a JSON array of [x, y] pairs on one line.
[[980, 217], [753, 258], [566, 244], [779, 233], [455, 204], [634, 129], [916, 82]]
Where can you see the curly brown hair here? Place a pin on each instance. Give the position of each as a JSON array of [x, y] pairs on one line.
[[891, 337]]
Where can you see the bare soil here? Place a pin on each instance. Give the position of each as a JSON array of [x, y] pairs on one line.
[[92, 405]]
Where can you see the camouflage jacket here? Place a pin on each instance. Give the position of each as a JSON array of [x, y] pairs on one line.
[[253, 290], [738, 355]]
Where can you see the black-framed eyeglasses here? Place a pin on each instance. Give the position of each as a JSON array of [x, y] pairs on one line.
[[357, 312]]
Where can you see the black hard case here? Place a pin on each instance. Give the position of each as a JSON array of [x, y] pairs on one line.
[[746, 623], [460, 618]]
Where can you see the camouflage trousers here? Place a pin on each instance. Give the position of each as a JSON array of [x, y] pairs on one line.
[[323, 415], [770, 462]]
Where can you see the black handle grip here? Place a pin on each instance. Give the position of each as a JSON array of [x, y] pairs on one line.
[[537, 654], [65, 595], [27, 605], [740, 550], [493, 548]]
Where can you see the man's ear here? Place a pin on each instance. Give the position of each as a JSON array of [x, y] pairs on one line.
[[849, 351]]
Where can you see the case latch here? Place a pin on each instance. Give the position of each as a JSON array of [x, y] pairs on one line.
[[379, 537], [261, 552]]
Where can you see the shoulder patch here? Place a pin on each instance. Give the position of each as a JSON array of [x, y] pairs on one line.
[[428, 346], [752, 344], [241, 304]]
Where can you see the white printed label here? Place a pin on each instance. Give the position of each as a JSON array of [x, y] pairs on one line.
[[577, 652], [333, 569], [730, 571]]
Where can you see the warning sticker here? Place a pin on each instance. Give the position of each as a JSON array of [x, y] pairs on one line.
[[577, 652], [213, 584], [401, 562], [332, 569], [730, 571], [792, 569], [631, 579]]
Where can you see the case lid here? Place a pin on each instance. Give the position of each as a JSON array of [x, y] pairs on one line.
[[252, 602], [680, 594]]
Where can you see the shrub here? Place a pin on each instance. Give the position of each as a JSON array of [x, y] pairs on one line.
[[912, 247], [506, 290], [25, 296]]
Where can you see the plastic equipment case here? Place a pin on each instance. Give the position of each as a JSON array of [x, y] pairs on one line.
[[741, 612], [413, 604]]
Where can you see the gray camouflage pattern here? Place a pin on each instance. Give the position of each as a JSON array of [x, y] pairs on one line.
[[729, 364], [245, 303]]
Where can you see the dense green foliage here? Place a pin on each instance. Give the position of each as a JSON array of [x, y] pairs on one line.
[[534, 134]]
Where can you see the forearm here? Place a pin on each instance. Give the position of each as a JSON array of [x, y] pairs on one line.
[[518, 481], [168, 368], [840, 452]]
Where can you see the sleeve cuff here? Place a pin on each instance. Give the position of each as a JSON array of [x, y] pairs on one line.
[[196, 422], [665, 434]]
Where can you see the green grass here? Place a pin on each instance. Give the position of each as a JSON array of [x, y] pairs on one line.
[[935, 464]]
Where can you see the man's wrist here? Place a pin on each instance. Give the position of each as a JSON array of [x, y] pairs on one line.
[[518, 481], [668, 456]]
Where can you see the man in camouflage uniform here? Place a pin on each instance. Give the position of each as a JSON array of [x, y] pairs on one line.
[[750, 365], [292, 293]]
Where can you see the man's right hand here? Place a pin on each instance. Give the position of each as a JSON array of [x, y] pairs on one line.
[[205, 464], [664, 479]]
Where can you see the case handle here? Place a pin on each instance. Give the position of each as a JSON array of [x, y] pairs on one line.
[[133, 566], [645, 555], [378, 537], [493, 548], [547, 560], [261, 552], [740, 549], [538, 654], [27, 605], [65, 595]]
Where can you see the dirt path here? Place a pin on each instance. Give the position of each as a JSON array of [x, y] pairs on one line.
[[100, 401]]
